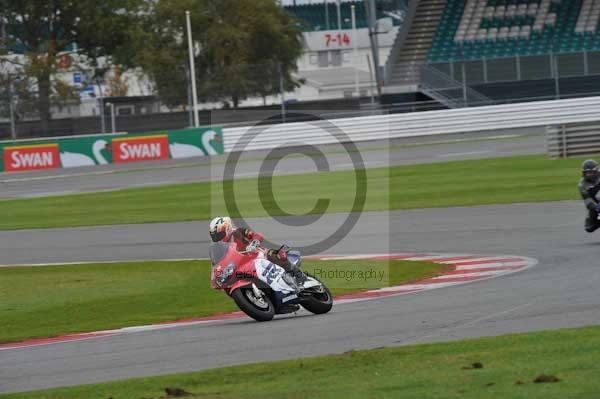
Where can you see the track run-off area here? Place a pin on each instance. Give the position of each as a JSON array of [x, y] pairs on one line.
[[459, 269]]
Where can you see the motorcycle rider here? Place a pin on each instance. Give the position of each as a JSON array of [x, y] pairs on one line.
[[589, 186], [222, 229]]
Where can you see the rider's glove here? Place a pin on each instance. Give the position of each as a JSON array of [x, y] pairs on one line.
[[282, 252], [253, 246], [253, 235]]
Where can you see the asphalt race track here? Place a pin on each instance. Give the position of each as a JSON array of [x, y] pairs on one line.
[[560, 291]]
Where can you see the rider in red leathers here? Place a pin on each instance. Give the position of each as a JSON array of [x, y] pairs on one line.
[[222, 229]]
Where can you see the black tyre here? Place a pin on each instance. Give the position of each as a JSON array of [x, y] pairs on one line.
[[318, 302], [260, 309]]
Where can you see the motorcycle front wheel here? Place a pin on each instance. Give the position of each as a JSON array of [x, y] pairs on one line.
[[259, 308]]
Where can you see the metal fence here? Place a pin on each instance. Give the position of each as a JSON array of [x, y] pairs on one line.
[[105, 101], [508, 69], [448, 91], [573, 139]]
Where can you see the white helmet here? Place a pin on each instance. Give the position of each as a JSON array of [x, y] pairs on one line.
[[220, 228]]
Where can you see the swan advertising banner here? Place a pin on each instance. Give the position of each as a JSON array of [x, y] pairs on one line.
[[144, 148], [31, 157], [105, 149]]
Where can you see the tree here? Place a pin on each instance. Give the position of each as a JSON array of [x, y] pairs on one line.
[[242, 47], [17, 101], [42, 30], [117, 84]]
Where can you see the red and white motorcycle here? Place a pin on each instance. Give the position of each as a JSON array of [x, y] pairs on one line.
[[261, 288]]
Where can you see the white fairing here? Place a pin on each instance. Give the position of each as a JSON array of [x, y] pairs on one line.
[[310, 282], [272, 274]]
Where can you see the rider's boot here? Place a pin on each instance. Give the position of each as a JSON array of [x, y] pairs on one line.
[[290, 278], [293, 276], [299, 275]]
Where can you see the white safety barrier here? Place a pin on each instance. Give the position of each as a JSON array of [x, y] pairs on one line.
[[478, 119], [573, 139]]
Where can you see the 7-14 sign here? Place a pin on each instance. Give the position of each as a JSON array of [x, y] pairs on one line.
[[339, 39]]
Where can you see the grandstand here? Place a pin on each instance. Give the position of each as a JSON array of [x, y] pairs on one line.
[[552, 47], [478, 29]]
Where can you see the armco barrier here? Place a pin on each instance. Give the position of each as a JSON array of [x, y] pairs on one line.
[[120, 148], [487, 118], [573, 139], [112, 148]]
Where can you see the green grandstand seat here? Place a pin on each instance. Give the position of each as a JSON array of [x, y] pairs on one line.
[[560, 37]]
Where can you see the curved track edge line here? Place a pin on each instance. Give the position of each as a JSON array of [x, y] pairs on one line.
[[462, 269]]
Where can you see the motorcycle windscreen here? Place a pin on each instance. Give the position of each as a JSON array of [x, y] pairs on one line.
[[218, 251]]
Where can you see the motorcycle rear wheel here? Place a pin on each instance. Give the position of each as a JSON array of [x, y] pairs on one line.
[[260, 309]]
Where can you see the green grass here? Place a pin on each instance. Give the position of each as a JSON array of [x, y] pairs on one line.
[[477, 182], [424, 371], [55, 300]]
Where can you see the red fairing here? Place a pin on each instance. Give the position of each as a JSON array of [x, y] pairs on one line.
[[243, 262], [238, 284], [254, 235], [244, 272], [242, 237]]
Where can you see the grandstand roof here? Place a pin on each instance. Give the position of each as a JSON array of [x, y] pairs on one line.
[[317, 16], [287, 3]]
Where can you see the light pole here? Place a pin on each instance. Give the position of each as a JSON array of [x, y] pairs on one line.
[[372, 18], [188, 79], [101, 99], [112, 117], [371, 77], [326, 14], [192, 68], [354, 50], [282, 92], [13, 128], [339, 14]]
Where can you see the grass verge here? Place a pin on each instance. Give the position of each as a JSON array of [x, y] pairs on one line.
[[462, 183], [501, 367], [56, 300]]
